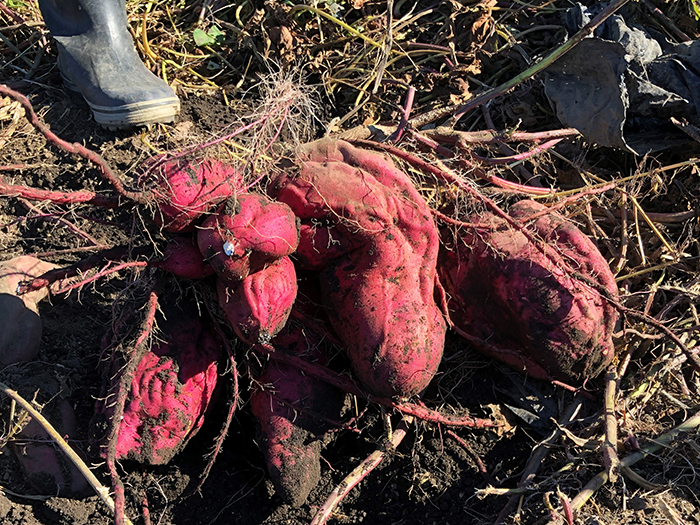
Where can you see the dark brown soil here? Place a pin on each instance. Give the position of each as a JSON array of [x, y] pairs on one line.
[[431, 479]]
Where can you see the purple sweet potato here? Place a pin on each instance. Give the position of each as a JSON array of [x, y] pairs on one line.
[[291, 409], [20, 335], [45, 467], [379, 279], [248, 233], [170, 390], [258, 306], [187, 189], [522, 308]]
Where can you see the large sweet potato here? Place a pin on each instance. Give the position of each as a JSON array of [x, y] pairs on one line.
[[248, 233], [378, 279], [291, 409], [258, 306], [169, 391], [523, 308]]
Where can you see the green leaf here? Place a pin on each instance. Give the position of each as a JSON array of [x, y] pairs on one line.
[[213, 37], [202, 39]]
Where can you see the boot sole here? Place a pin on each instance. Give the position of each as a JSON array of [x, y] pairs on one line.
[[162, 111], [137, 114]]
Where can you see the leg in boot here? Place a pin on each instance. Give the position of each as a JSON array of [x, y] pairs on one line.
[[97, 58]]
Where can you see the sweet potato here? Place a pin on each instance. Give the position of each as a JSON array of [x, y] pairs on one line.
[[248, 233], [183, 258], [170, 389], [187, 189], [45, 467], [292, 410], [521, 307], [258, 306], [20, 335], [379, 280]]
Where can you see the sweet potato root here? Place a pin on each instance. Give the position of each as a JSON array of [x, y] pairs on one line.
[[379, 279], [258, 306], [521, 307], [292, 410], [248, 233]]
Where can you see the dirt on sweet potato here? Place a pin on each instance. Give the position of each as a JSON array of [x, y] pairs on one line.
[[379, 281], [522, 307]]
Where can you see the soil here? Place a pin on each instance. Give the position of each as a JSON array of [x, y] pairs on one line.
[[430, 479]]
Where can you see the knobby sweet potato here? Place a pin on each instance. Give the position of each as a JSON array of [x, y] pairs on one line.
[[249, 232], [187, 189], [292, 410], [523, 308], [378, 279], [258, 306], [170, 389]]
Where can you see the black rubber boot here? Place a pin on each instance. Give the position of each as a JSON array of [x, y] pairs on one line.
[[97, 58]]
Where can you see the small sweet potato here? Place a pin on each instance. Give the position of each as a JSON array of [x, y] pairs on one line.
[[187, 189], [170, 390], [258, 306], [292, 410], [248, 233], [523, 308], [379, 278]]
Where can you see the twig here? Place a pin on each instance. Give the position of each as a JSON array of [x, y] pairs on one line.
[[462, 138], [666, 21], [538, 455], [405, 113], [101, 490], [658, 443], [542, 64], [362, 470], [610, 459]]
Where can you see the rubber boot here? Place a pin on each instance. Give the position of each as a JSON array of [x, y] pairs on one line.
[[97, 58]]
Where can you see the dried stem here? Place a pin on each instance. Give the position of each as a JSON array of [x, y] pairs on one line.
[[368, 465], [658, 443], [538, 455], [101, 490], [610, 459]]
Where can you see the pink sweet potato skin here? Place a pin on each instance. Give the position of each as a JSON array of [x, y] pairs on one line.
[[187, 189], [378, 281], [284, 405], [170, 391], [248, 233], [526, 311], [258, 306]]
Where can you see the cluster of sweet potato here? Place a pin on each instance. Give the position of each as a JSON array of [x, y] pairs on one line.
[[358, 226]]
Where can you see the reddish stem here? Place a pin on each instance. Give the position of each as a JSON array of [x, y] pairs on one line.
[[75, 148], [58, 197], [347, 385], [405, 113], [520, 156]]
